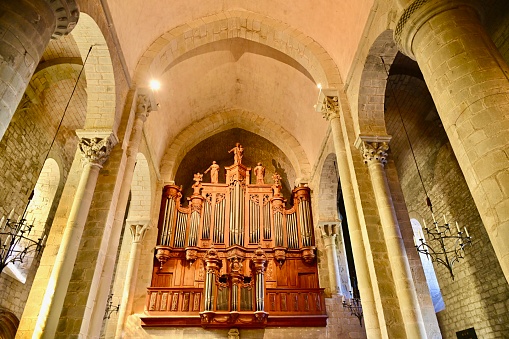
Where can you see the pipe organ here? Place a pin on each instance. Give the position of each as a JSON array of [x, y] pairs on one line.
[[235, 256]]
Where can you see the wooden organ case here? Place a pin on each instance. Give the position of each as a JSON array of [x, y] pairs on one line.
[[235, 257]]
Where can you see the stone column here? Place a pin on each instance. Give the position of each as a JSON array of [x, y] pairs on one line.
[[27, 26], [374, 152], [468, 80], [145, 103], [95, 151], [138, 230], [329, 106], [329, 233]]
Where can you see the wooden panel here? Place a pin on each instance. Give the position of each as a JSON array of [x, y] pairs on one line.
[[307, 280]]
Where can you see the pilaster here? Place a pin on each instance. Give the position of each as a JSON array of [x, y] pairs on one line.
[[138, 229], [374, 151], [329, 105], [330, 232], [143, 105]]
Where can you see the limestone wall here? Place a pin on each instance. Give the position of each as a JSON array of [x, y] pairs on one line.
[[22, 153], [477, 297]]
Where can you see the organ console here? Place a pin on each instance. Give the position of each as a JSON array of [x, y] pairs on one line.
[[235, 256]]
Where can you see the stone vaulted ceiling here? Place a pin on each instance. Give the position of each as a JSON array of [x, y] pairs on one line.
[[265, 70]]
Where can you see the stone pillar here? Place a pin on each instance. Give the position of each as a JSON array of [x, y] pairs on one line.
[[27, 26], [468, 81], [329, 106], [145, 103], [95, 149], [329, 234], [138, 230], [374, 152]]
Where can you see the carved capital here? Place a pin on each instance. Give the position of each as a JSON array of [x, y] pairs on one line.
[[96, 149], [145, 103], [143, 107], [373, 148], [328, 103], [67, 14], [375, 152], [418, 13], [330, 229], [138, 229]]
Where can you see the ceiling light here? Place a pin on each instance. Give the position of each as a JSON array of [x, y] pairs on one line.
[[155, 85]]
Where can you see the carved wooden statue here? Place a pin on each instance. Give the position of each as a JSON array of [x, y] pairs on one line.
[[214, 172], [259, 171]]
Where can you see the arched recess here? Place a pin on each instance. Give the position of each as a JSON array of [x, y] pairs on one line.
[[8, 324], [238, 24], [222, 121], [329, 211], [328, 190], [99, 72], [37, 213], [139, 207], [373, 84]]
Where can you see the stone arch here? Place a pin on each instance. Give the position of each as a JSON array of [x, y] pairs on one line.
[[373, 84], [37, 213], [139, 207], [101, 92], [239, 24], [51, 74], [8, 324], [222, 121], [328, 188]]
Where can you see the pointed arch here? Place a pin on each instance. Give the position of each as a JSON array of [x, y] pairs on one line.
[[222, 121]]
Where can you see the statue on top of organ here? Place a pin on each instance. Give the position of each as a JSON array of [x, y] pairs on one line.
[[235, 256]]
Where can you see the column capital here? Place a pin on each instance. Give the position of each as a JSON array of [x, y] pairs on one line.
[[373, 148], [414, 16], [138, 229], [95, 146], [66, 13], [328, 103], [329, 229], [145, 103]]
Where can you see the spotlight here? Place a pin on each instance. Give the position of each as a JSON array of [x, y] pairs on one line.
[[155, 85]]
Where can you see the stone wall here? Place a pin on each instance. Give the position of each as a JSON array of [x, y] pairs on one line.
[[23, 150], [478, 295]]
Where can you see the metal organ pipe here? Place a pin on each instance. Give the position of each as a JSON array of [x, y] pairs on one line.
[[206, 221], [278, 228], [168, 221], [193, 232], [305, 220], [266, 221], [291, 227]]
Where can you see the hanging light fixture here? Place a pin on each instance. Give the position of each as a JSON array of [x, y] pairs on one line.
[[443, 244], [355, 307], [16, 242], [110, 309]]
